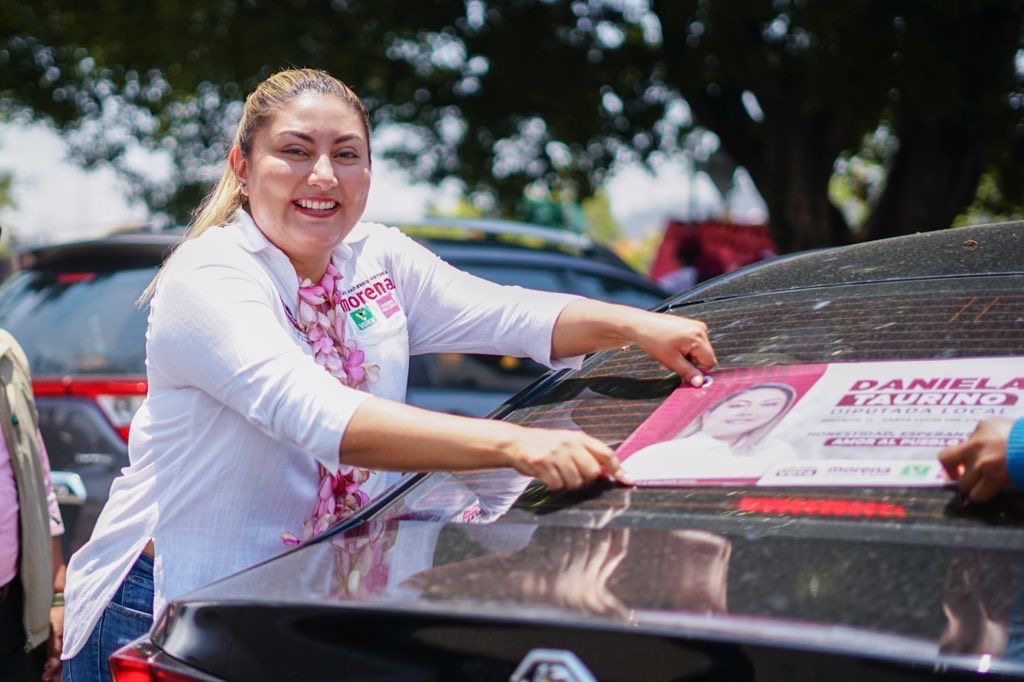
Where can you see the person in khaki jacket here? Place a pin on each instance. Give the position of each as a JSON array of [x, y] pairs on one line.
[[31, 560]]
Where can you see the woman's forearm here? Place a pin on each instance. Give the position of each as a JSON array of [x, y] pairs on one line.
[[386, 435], [392, 436], [679, 343], [397, 437], [587, 326]]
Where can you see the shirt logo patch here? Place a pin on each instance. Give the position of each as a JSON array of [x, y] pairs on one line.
[[363, 317], [388, 305]]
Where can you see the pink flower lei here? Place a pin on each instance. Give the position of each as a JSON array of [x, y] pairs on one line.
[[321, 319]]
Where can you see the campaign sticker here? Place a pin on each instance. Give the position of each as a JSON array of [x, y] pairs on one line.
[[388, 305], [363, 317], [840, 424]]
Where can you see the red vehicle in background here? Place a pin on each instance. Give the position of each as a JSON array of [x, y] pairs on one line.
[[690, 253]]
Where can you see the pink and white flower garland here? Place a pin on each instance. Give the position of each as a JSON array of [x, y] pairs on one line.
[[321, 319]]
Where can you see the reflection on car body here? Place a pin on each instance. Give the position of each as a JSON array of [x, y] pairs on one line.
[[464, 576]]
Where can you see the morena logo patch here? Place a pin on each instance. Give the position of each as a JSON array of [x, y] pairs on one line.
[[356, 298]]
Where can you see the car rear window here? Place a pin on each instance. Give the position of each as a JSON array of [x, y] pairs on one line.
[[78, 322], [616, 391], [504, 374], [980, 317]]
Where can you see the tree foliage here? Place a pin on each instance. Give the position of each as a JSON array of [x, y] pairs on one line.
[[505, 94]]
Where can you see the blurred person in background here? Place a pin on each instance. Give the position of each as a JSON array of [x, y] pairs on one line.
[[31, 559], [685, 276]]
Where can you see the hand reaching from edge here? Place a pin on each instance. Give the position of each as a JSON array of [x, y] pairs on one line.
[[979, 463]]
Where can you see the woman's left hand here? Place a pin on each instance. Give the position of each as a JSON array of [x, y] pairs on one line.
[[678, 343]]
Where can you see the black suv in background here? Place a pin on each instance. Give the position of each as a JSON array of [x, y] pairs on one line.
[[73, 308]]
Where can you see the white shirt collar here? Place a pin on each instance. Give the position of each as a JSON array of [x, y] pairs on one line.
[[255, 241], [281, 269]]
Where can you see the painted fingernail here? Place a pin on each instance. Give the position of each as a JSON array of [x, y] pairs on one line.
[[697, 381]]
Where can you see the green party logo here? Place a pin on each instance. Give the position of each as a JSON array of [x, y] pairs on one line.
[[363, 317], [916, 470]]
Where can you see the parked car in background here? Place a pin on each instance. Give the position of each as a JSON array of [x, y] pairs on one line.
[[491, 576], [515, 254], [73, 308]]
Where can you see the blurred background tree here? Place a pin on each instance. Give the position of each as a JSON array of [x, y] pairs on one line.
[[896, 108], [5, 189]]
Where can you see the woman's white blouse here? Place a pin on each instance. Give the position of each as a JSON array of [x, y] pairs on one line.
[[224, 451]]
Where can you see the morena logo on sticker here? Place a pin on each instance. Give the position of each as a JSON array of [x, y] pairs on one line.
[[363, 317]]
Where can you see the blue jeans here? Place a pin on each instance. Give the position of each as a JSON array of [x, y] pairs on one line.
[[128, 616]]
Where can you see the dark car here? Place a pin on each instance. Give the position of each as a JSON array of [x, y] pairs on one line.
[[515, 254], [489, 576], [73, 308]]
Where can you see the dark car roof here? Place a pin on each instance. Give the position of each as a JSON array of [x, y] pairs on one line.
[[967, 251], [745, 582], [518, 256], [136, 249], [466, 235], [458, 237]]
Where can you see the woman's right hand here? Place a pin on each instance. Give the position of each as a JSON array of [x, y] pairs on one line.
[[561, 459]]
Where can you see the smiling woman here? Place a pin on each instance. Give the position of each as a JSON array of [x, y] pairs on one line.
[[306, 177], [278, 355]]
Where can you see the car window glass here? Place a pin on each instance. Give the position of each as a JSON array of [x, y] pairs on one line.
[[605, 288], [528, 277], [616, 391], [109, 327], [486, 373], [499, 373]]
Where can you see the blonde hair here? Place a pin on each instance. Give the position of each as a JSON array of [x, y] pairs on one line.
[[275, 92]]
